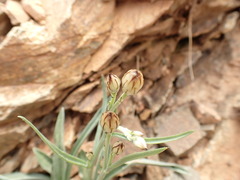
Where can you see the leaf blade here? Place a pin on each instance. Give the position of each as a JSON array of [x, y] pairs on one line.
[[136, 156], [59, 164], [160, 140], [22, 176], [68, 157], [43, 160]]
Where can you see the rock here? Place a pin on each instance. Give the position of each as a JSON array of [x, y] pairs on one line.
[[11, 136], [12, 104], [30, 164], [5, 24], [35, 9], [145, 114], [90, 102], [230, 22], [79, 94], [178, 121], [205, 114], [126, 22], [11, 162], [222, 151], [15, 12]]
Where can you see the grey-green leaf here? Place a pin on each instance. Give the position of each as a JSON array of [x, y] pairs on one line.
[[175, 167], [136, 155], [159, 140], [43, 159], [22, 176], [67, 157], [59, 164]]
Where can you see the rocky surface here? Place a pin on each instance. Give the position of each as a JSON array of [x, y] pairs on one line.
[[51, 59]]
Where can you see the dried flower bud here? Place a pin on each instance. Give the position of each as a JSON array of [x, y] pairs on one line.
[[132, 82], [110, 121], [89, 155], [140, 142], [113, 83], [118, 147]]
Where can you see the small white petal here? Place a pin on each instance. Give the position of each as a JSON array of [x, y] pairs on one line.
[[137, 133], [140, 142]]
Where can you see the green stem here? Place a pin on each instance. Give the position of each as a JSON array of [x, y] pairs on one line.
[[96, 154], [106, 156], [96, 170], [118, 102], [107, 149], [112, 100]]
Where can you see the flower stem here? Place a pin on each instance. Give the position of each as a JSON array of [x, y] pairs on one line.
[[118, 102]]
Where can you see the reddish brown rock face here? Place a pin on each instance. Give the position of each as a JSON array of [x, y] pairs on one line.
[[55, 56]]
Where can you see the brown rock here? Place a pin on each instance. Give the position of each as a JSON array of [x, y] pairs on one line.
[[145, 114], [35, 9], [204, 114], [126, 22], [78, 95], [11, 136], [5, 24], [15, 12], [90, 102], [178, 121], [11, 162], [221, 152]]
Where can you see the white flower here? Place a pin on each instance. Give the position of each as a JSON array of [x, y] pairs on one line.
[[140, 142], [134, 136], [137, 133]]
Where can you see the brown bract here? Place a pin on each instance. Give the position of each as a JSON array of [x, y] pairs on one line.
[[109, 121], [132, 82], [118, 147], [113, 83]]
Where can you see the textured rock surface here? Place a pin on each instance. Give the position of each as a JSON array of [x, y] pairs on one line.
[[59, 63]]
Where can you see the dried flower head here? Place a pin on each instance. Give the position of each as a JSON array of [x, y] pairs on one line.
[[113, 83], [89, 155], [109, 121], [118, 147], [132, 82]]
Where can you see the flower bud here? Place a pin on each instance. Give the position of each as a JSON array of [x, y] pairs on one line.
[[118, 147], [89, 155], [140, 142], [132, 82], [113, 83], [110, 121]]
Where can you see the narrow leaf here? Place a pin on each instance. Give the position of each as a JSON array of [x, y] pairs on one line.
[[104, 106], [159, 140], [22, 176], [43, 159], [175, 167], [136, 156], [67, 157], [59, 164], [116, 171], [59, 130], [172, 166]]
